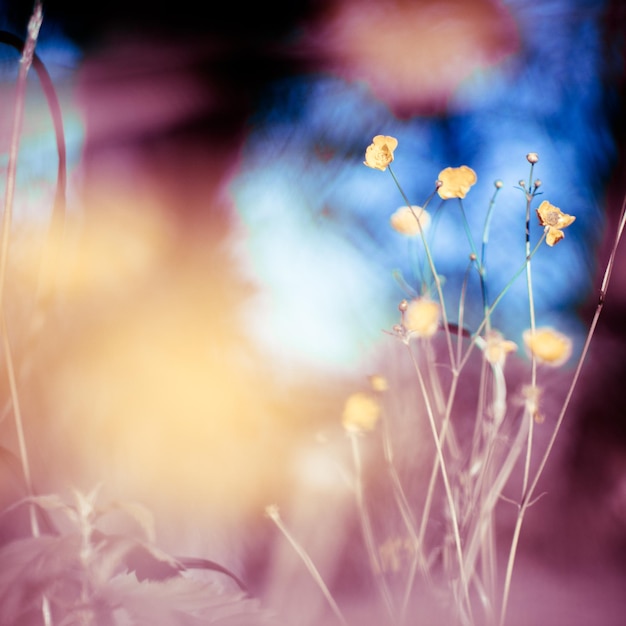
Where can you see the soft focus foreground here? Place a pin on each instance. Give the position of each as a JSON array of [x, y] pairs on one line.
[[213, 308]]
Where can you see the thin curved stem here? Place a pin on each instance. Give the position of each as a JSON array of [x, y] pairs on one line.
[[366, 526], [273, 513], [446, 482], [495, 303], [431, 265]]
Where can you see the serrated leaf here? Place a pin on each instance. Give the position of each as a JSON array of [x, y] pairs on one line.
[[51, 502], [119, 553], [140, 514]]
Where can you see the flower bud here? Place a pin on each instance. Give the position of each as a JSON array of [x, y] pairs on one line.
[[498, 184], [532, 157]]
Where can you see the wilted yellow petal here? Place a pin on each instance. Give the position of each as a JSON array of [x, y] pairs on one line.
[[361, 412], [407, 221], [421, 317], [550, 215], [456, 182], [553, 236], [554, 220], [548, 346]]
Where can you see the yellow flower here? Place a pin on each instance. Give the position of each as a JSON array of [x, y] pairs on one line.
[[360, 413], [548, 346], [421, 317], [455, 182], [407, 221], [497, 347], [379, 154], [378, 383], [554, 220]]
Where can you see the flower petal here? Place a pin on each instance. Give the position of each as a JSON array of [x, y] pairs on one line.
[[407, 221], [421, 317], [361, 412], [379, 154], [548, 346], [456, 181], [553, 236]]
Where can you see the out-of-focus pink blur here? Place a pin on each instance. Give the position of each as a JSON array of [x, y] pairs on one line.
[[414, 55]]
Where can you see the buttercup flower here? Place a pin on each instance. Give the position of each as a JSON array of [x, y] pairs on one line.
[[497, 347], [378, 383], [360, 413], [421, 317], [548, 346], [408, 221], [456, 181], [379, 154], [554, 220]]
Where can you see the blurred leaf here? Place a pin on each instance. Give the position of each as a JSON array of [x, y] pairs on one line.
[[121, 554], [181, 601], [51, 502], [140, 514], [206, 564], [33, 567]]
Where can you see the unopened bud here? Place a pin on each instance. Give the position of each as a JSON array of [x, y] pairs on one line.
[[438, 184], [532, 157], [498, 184], [537, 183], [403, 306]]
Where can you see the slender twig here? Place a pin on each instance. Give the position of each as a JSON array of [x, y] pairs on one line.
[[26, 61], [446, 482], [19, 424], [483, 249], [14, 146], [477, 262], [407, 517], [366, 527], [496, 301], [48, 260], [273, 513]]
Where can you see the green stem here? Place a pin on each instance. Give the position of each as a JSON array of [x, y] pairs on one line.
[[431, 265], [483, 250], [495, 303], [533, 359]]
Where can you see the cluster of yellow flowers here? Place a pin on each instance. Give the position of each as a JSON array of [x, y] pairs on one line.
[[455, 182], [421, 316]]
